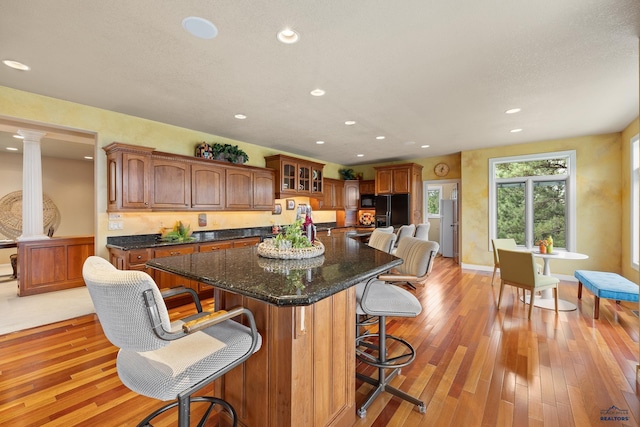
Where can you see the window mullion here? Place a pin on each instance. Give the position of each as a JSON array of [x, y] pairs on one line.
[[528, 215]]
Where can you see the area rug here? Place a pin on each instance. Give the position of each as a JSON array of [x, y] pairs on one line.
[[18, 313]]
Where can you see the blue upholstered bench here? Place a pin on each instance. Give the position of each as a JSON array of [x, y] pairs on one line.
[[606, 285]]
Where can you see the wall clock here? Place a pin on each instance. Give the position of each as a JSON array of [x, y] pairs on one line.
[[441, 169]]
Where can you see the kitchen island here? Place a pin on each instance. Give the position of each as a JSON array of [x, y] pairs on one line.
[[304, 374]]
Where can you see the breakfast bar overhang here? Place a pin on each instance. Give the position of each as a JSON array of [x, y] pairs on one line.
[[304, 374]]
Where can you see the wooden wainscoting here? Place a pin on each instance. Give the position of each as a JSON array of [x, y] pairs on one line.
[[52, 264]]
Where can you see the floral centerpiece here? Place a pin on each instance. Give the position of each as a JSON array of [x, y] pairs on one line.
[[546, 245], [179, 233], [292, 243]]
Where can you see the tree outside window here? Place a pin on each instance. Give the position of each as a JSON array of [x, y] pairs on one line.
[[434, 194], [530, 198]]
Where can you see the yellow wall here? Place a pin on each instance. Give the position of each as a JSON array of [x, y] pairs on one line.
[[110, 126], [598, 199], [627, 134]]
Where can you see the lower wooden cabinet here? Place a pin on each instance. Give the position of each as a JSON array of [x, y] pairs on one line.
[[135, 259]]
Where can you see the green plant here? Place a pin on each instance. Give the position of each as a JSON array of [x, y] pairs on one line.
[[179, 233], [228, 152], [293, 233], [347, 173]]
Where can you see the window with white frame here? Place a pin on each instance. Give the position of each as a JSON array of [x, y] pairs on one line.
[[532, 197], [635, 202], [434, 194]]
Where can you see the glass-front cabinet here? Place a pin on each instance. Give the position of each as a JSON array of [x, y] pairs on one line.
[[296, 177], [317, 183]]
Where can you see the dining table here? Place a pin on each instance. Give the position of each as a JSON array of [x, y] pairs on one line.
[[546, 300]]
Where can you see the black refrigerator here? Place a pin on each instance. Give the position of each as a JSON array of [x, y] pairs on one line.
[[392, 210]]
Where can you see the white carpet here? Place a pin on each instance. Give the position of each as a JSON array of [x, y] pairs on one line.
[[18, 313]]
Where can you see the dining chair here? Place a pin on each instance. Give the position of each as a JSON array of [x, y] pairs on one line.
[[509, 244], [403, 232], [519, 269], [165, 360], [422, 231], [382, 240]]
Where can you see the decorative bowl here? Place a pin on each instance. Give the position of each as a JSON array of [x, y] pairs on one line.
[[269, 250]]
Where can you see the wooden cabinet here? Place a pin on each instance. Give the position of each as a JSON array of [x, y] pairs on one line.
[[208, 187], [239, 190], [128, 174], [247, 241], [263, 190], [141, 179], [296, 177], [168, 280], [333, 197], [393, 180], [351, 194], [367, 186], [135, 259], [52, 264], [402, 179], [170, 184], [216, 246]]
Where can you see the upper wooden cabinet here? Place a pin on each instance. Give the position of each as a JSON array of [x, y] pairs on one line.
[[140, 178], [170, 184], [402, 179], [208, 187], [263, 189], [128, 171], [367, 186], [332, 198], [296, 177], [396, 179]]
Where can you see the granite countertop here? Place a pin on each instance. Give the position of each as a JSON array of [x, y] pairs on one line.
[[346, 262], [142, 241]]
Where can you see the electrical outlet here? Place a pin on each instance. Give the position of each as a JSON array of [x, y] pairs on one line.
[[119, 225], [113, 225]]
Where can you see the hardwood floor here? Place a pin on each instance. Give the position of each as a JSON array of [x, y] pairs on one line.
[[476, 366]]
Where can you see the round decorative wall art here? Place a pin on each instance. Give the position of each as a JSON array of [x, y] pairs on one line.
[[11, 215]]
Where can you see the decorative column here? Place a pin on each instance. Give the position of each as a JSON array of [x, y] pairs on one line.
[[32, 218]]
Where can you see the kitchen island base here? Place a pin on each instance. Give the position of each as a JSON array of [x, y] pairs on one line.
[[304, 374]]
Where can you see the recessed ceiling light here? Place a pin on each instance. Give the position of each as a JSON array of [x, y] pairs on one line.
[[317, 92], [513, 111], [288, 36], [18, 136], [349, 123], [319, 142], [240, 116], [515, 130], [199, 27], [360, 155], [12, 149], [380, 137], [425, 146], [88, 157], [16, 65]]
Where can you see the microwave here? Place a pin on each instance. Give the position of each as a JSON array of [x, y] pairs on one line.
[[367, 201]]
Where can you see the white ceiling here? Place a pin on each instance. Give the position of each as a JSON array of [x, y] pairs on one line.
[[436, 72]]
